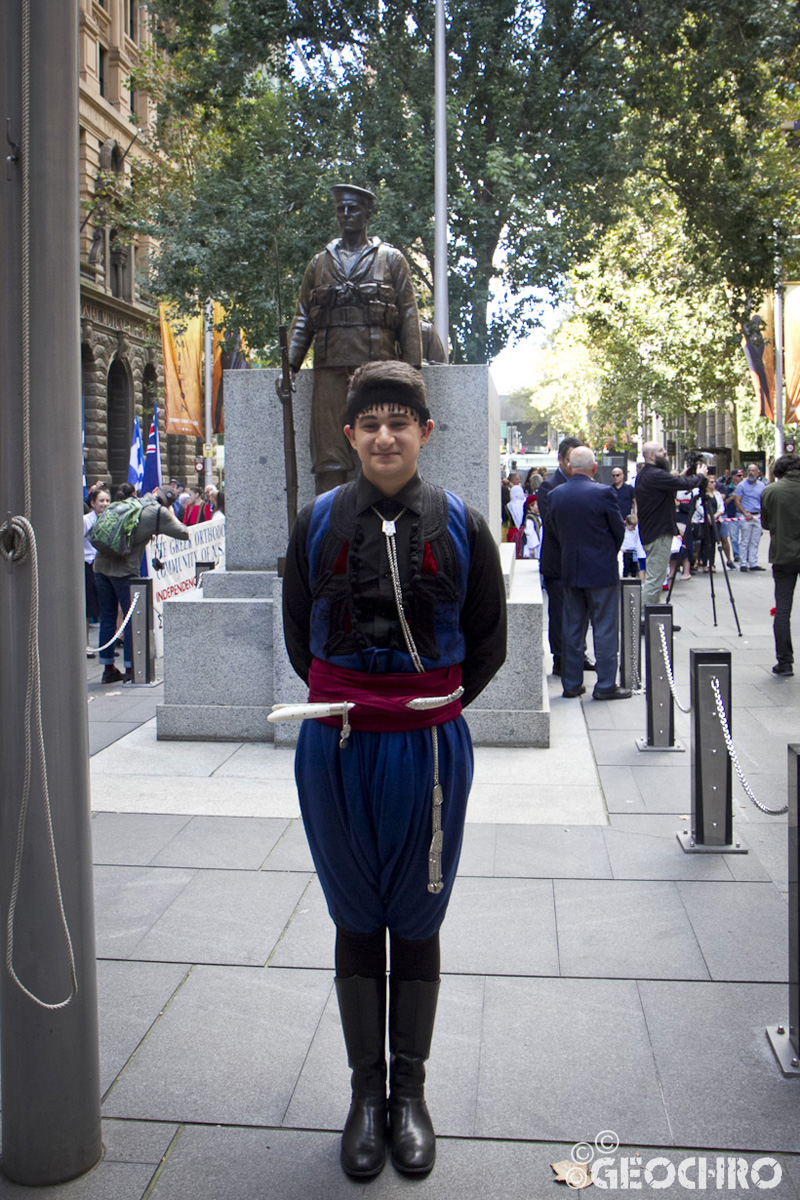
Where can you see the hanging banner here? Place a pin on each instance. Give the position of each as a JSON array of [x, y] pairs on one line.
[[183, 376], [791, 352], [758, 342], [224, 360], [171, 565]]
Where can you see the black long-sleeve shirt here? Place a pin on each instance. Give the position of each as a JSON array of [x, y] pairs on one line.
[[483, 615], [655, 500]]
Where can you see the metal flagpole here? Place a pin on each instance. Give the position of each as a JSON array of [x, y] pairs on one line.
[[209, 382], [441, 317], [48, 988], [779, 363]]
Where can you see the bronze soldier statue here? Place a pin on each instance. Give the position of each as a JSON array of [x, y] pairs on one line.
[[356, 304]]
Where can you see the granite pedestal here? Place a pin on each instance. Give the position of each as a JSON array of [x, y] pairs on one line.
[[231, 632]]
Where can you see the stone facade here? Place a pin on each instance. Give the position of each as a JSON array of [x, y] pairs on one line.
[[120, 339]]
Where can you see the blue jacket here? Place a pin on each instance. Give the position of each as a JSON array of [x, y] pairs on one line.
[[585, 520]]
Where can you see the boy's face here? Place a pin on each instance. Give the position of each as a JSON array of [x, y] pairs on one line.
[[387, 440]]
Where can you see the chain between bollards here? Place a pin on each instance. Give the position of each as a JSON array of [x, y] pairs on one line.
[[726, 733], [668, 668]]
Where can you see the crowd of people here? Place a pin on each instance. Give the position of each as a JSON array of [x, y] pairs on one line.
[[662, 526], [107, 577]]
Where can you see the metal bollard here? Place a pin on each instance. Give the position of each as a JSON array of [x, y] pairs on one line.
[[200, 569], [142, 637], [630, 634], [660, 705], [786, 1043], [711, 830]]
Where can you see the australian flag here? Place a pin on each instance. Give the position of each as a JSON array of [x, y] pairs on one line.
[[136, 465], [152, 463]]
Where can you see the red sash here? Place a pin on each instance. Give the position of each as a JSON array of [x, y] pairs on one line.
[[380, 700]]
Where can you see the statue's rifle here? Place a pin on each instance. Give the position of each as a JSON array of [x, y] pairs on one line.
[[285, 387]]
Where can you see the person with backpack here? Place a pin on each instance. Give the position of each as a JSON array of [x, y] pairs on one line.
[[120, 536]]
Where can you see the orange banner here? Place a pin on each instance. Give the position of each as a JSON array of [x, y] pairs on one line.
[[183, 376], [791, 352]]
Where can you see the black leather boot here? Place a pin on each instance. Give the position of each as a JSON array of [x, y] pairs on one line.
[[412, 1012], [362, 1005]]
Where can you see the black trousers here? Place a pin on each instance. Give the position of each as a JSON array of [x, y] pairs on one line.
[[785, 578], [555, 609]]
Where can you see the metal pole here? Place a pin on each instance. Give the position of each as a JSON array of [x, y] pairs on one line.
[[142, 636], [209, 382], [630, 657], [50, 1061], [441, 317], [779, 363], [711, 829], [786, 1043], [660, 705]]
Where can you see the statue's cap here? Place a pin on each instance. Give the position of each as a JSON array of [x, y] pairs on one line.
[[340, 190]]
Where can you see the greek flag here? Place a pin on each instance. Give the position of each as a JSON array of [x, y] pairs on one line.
[[136, 466], [152, 462]]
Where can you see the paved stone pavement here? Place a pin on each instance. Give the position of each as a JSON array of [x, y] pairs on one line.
[[595, 977]]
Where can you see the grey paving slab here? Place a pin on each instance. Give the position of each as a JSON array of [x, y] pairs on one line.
[[662, 825], [628, 716], [237, 843], [769, 841], [132, 839], [648, 856], [228, 1049], [130, 997], [478, 849], [552, 852], [129, 901], [721, 1083], [107, 1181], [322, 1094], [140, 754], [664, 791], [620, 789], [309, 937], [597, 1073], [105, 733], [500, 926], [625, 929], [295, 1165], [742, 929], [619, 749], [290, 852], [258, 760], [231, 917], [137, 1141]]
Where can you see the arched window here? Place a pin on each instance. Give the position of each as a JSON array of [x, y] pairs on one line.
[[119, 420]]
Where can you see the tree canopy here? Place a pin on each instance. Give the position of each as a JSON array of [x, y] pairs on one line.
[[553, 109]]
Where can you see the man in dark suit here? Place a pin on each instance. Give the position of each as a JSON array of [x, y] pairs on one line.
[[588, 528], [550, 554]]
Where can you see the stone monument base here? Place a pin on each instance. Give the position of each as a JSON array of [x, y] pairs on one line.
[[225, 662]]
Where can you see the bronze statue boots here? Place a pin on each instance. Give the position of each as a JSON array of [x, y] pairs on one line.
[[362, 1005], [412, 1012]]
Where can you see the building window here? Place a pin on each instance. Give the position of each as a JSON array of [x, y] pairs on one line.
[[101, 69], [132, 8]]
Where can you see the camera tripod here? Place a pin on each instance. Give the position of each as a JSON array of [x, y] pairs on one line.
[[711, 525]]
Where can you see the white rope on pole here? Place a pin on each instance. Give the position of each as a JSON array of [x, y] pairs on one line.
[[128, 616]]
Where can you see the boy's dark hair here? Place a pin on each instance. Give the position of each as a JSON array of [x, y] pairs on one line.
[[394, 384]]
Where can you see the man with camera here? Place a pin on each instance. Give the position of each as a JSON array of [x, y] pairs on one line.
[[656, 489]]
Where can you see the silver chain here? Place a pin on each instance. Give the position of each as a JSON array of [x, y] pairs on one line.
[[637, 688], [665, 653], [726, 733], [435, 884]]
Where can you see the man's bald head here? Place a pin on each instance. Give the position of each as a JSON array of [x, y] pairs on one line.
[[582, 461]]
